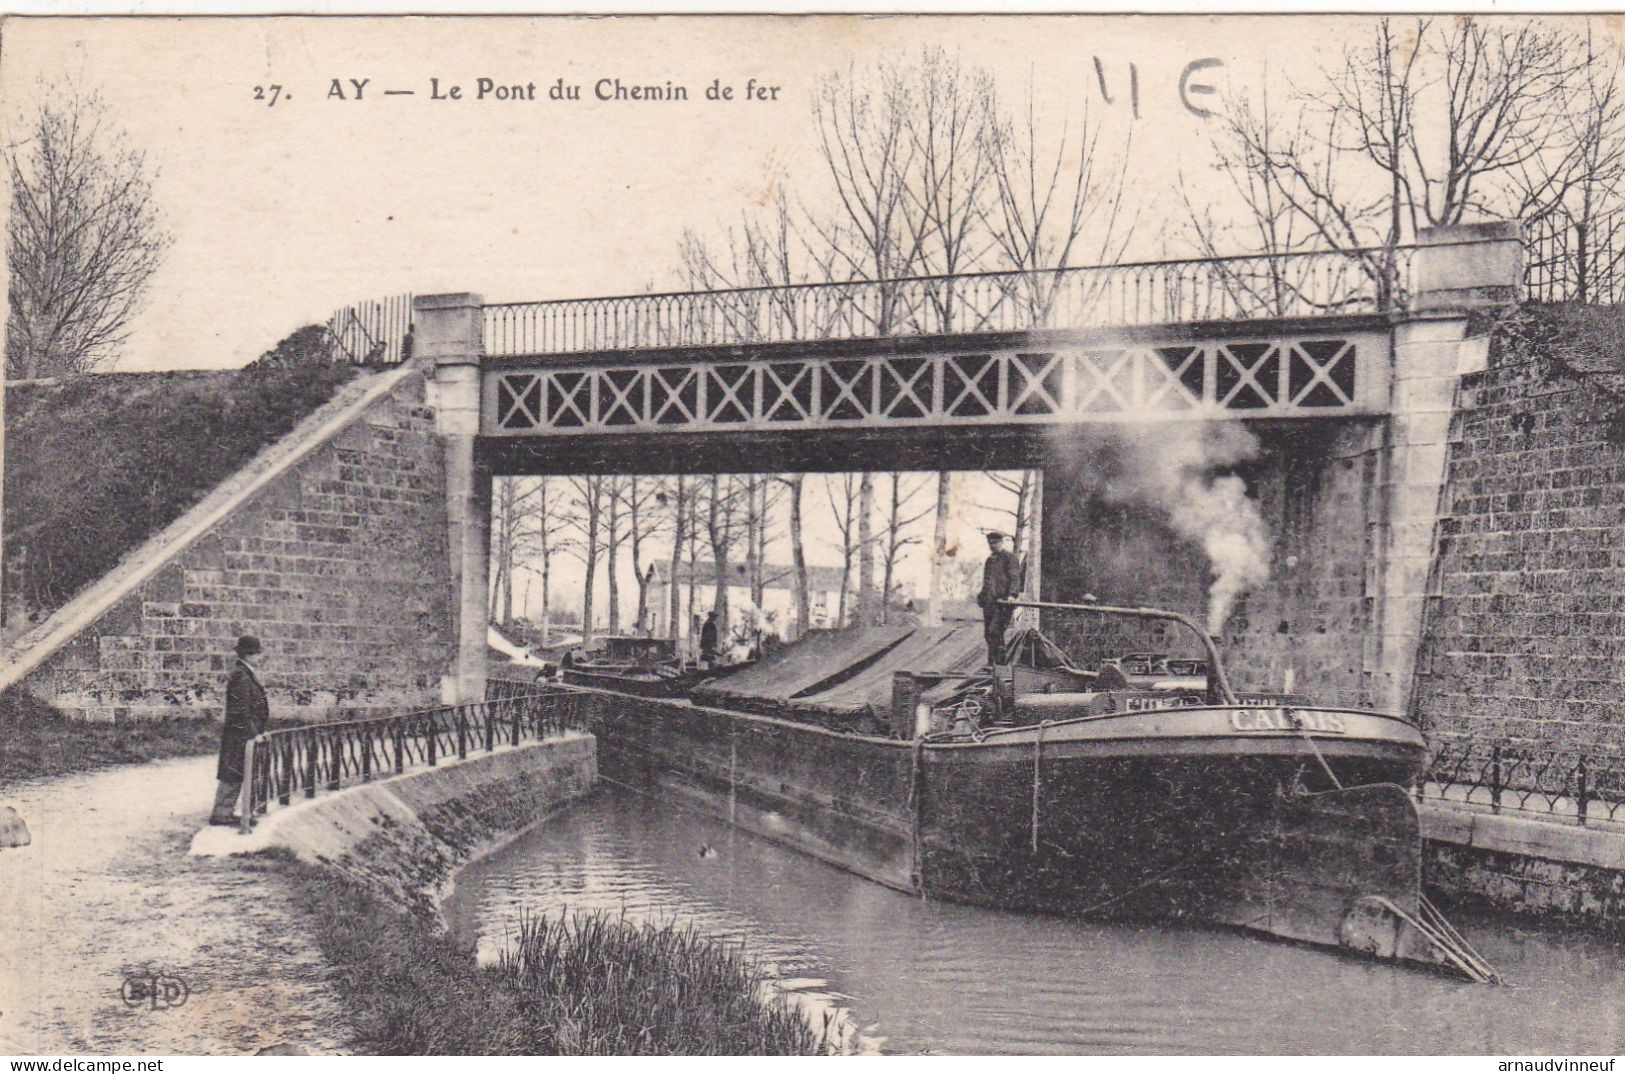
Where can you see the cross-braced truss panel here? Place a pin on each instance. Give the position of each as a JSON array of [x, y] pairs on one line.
[[1261, 377]]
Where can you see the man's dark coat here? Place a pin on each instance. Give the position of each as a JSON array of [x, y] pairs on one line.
[[1001, 579], [246, 716]]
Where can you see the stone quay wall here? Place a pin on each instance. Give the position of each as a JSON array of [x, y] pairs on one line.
[[404, 838], [1527, 866]]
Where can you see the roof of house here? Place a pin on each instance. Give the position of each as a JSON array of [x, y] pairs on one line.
[[820, 579]]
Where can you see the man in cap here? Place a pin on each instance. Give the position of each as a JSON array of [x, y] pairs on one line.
[[1001, 580], [246, 716], [709, 641]]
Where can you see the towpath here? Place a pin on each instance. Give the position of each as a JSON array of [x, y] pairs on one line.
[[107, 892]]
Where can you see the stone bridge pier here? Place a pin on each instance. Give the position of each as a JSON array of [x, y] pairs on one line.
[[1348, 472], [448, 336]]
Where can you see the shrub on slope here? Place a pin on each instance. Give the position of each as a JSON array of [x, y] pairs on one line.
[[95, 465]]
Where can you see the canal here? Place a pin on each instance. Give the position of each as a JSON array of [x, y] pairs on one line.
[[918, 976]]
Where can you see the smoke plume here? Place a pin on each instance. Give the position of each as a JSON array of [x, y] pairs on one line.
[[1176, 469]]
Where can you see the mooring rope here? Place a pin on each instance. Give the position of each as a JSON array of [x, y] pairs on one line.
[[1435, 917], [916, 808], [1463, 957], [1297, 724]]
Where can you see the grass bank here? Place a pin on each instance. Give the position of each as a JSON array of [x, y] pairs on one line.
[[37, 740], [591, 985]]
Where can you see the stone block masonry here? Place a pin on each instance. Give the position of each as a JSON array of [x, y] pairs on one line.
[[1525, 623], [1527, 865], [337, 564]]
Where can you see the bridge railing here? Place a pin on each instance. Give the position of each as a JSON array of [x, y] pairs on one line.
[[1145, 293], [301, 762], [1578, 785]]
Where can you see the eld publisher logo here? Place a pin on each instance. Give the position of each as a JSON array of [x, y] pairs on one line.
[[160, 991]]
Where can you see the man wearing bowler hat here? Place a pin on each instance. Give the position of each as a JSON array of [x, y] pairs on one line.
[[246, 716], [1001, 580]]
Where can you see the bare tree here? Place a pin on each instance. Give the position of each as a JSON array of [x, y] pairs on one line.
[[694, 559], [84, 237], [962, 174], [722, 529], [508, 517], [863, 130], [1581, 188], [868, 605], [951, 181], [614, 536], [590, 498], [760, 499], [638, 496], [677, 495], [794, 485], [1252, 137], [1425, 122], [753, 271], [843, 512], [1059, 199], [939, 550], [900, 516], [548, 533]]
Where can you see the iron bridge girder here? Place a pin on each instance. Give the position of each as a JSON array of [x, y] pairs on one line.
[[1015, 382]]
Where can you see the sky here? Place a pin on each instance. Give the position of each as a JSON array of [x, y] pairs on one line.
[[282, 212]]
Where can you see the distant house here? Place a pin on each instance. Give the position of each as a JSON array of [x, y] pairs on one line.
[[778, 611]]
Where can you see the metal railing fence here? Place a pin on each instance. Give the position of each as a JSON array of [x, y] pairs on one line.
[[300, 762], [376, 332], [1566, 260], [1574, 784], [1257, 287], [1575, 259]]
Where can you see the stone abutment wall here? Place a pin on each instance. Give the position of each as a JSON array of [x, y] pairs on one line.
[[1525, 625], [338, 565]]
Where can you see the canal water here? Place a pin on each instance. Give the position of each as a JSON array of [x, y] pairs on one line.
[[920, 976]]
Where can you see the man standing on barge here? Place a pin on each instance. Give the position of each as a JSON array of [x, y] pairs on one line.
[[1001, 580]]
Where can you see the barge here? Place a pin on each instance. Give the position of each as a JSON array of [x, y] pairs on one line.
[[1145, 789], [635, 665]]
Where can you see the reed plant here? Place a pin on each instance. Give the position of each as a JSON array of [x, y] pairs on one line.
[[580, 984], [601, 984]]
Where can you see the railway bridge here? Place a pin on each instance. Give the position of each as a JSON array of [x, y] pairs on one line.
[[1343, 365]]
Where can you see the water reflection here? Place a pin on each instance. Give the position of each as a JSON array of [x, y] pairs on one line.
[[936, 977]]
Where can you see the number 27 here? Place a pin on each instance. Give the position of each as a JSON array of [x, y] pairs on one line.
[[268, 94]]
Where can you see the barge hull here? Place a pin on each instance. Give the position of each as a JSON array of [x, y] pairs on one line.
[[1255, 843]]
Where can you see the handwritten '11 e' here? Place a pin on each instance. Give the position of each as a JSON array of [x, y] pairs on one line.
[[1112, 86]]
